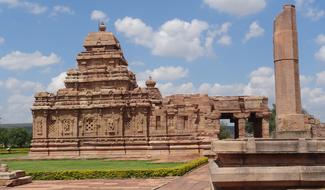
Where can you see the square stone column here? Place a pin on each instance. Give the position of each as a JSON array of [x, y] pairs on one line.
[[289, 118], [240, 119], [241, 127]]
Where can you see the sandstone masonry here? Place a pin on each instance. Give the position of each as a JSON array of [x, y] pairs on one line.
[[289, 117], [103, 112]]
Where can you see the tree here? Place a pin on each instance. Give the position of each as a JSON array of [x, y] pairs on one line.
[[4, 140], [19, 137], [249, 127], [224, 132], [272, 123]]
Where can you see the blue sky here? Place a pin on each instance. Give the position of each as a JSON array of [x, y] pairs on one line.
[[219, 47]]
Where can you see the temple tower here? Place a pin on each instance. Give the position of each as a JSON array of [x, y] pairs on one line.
[[289, 120]]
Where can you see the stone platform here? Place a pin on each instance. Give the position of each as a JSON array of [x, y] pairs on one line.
[[268, 164]]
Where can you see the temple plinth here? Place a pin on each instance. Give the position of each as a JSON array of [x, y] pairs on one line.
[[289, 117]]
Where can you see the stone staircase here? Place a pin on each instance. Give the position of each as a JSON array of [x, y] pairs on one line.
[[13, 178]]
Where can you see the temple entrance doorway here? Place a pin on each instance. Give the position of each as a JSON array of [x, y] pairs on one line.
[[228, 125]]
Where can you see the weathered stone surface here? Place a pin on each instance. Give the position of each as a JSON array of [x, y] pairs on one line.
[[19, 181], [281, 163], [14, 178], [280, 177], [268, 164], [287, 84], [103, 112]]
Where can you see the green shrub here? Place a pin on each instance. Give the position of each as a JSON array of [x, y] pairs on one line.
[[113, 174]]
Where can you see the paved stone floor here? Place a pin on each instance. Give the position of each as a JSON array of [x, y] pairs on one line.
[[196, 180], [199, 179]]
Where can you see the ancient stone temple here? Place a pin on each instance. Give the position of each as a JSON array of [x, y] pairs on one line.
[[103, 112]]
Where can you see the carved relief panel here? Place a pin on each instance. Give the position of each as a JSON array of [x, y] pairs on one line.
[[110, 124], [136, 124], [68, 124], [89, 124], [53, 128], [140, 123], [39, 125]]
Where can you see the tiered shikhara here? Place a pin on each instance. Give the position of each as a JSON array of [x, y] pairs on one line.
[[102, 112]]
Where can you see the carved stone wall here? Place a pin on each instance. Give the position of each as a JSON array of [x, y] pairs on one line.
[[102, 110]]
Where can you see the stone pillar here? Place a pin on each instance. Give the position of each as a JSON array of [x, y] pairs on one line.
[[289, 119], [241, 127], [265, 128], [264, 123], [240, 123]]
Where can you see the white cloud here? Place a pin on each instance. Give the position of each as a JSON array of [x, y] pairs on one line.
[[221, 33], [309, 9], [20, 86], [314, 13], [170, 88], [304, 80], [320, 54], [237, 7], [164, 73], [57, 82], [2, 40], [225, 40], [18, 109], [320, 39], [97, 15], [255, 30], [313, 96], [30, 7], [136, 30], [261, 83], [320, 78], [136, 63], [177, 38], [220, 89], [174, 38], [313, 100], [17, 60], [224, 28], [58, 9]]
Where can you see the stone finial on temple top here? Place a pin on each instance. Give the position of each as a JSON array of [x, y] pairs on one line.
[[150, 83], [102, 27]]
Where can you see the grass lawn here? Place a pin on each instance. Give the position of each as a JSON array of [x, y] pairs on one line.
[[14, 153], [64, 165]]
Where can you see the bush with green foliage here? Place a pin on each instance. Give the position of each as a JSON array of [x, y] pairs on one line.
[[272, 120], [224, 132], [15, 137], [120, 174]]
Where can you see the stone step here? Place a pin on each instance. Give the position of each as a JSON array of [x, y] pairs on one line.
[[19, 181], [12, 174], [7, 175], [19, 173]]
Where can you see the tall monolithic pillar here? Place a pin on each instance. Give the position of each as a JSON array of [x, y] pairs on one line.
[[289, 118]]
